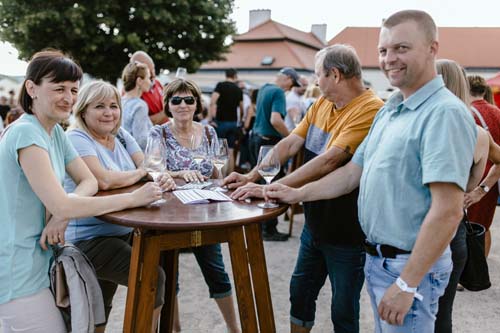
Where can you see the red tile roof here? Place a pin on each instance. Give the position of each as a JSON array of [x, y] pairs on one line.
[[288, 46], [471, 47], [274, 30]]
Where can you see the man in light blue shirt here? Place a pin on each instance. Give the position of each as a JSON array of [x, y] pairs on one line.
[[412, 170]]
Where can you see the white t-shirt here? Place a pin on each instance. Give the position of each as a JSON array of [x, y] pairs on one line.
[[293, 100]]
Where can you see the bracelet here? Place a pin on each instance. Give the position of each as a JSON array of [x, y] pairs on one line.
[[404, 287]]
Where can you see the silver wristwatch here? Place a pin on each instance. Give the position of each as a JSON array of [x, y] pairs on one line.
[[485, 188]]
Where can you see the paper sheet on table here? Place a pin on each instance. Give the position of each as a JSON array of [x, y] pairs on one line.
[[189, 197]]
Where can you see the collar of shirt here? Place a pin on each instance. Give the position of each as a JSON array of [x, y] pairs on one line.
[[396, 103]]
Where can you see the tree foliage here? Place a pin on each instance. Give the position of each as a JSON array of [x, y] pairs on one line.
[[101, 35]]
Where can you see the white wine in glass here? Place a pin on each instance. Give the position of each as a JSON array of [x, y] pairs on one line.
[[268, 167], [199, 150], [220, 156], [154, 160]]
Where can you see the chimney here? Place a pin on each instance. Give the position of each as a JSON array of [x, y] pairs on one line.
[[319, 30], [258, 16]]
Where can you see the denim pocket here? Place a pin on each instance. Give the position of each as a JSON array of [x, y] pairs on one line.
[[392, 267], [439, 282]]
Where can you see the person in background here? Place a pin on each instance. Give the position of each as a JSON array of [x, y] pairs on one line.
[[269, 128], [295, 106], [311, 95], [136, 79], [483, 199], [154, 96], [247, 127], [225, 103], [182, 99], [114, 158], [455, 80], [35, 155], [4, 107]]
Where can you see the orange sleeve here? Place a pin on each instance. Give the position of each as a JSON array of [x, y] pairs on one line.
[[355, 131], [303, 127]]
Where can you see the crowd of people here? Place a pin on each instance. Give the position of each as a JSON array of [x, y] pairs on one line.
[[384, 186]]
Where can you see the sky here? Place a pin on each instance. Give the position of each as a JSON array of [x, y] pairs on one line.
[[336, 14]]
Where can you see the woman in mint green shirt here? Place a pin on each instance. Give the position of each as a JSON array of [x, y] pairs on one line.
[[35, 155]]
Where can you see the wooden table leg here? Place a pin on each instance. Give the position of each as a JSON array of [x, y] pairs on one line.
[[169, 262], [257, 259], [143, 279], [239, 261], [133, 282]]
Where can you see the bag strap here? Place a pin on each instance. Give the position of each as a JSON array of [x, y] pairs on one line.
[[467, 224], [120, 138], [481, 119]]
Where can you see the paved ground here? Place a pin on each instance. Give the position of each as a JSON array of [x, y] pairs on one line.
[[474, 311]]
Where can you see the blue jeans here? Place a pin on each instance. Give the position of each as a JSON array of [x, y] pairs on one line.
[[344, 267], [382, 272], [209, 258], [227, 130]]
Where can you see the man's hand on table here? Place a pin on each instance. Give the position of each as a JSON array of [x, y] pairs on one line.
[[250, 190], [283, 193], [235, 180]]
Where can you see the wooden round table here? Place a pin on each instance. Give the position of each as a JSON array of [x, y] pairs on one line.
[[172, 226]]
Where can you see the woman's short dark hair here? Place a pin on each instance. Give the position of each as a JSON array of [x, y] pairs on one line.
[[182, 86], [52, 65]]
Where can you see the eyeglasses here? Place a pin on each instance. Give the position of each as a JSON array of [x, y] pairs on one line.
[[176, 100]]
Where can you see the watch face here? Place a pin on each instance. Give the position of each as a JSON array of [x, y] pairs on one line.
[[485, 188]]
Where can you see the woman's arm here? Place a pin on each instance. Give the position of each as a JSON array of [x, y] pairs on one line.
[[111, 179], [480, 158], [37, 167], [475, 195], [86, 183]]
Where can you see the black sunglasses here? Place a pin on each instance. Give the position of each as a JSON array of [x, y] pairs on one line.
[[176, 100]]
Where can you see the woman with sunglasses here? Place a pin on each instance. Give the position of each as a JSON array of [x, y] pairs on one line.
[[182, 99], [35, 154]]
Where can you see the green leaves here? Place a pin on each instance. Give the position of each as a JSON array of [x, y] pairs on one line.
[[102, 34]]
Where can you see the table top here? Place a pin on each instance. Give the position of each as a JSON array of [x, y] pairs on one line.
[[174, 215]]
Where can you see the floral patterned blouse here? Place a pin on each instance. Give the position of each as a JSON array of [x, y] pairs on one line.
[[179, 157]]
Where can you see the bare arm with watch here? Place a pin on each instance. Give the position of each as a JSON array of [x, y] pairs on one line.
[[476, 193]]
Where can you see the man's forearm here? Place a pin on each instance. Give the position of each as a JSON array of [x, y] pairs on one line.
[[316, 168], [339, 182], [435, 235]]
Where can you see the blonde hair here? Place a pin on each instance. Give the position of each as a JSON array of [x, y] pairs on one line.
[[95, 91], [454, 78], [312, 91], [131, 72]]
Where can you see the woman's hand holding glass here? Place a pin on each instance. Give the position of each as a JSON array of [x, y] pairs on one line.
[[268, 167], [154, 160]]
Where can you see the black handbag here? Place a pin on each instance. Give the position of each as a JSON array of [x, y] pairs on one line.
[[475, 276]]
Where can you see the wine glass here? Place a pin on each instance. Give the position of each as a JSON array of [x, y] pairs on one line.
[[154, 160], [220, 156], [268, 167], [181, 72], [199, 150]]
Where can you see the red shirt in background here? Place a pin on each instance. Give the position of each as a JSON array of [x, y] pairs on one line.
[[154, 98]]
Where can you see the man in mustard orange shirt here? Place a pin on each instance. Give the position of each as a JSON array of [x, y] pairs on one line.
[[332, 240]]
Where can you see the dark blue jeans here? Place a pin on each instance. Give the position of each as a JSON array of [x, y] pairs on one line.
[[209, 258], [458, 248], [343, 265], [227, 130]]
